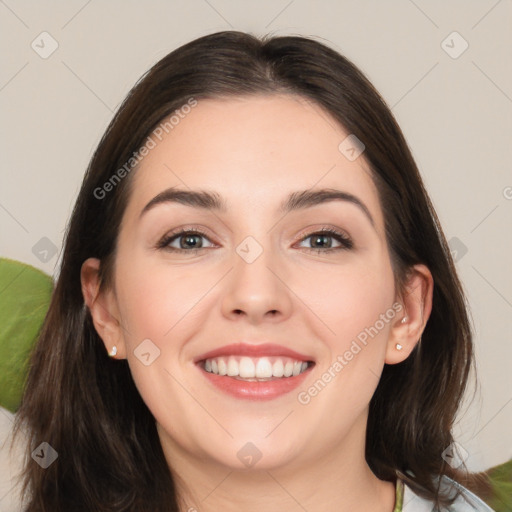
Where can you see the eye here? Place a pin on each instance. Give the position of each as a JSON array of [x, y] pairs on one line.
[[322, 241], [187, 240]]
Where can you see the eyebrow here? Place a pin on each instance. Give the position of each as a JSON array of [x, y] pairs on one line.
[[298, 200]]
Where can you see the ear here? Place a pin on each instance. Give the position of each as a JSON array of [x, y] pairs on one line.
[[102, 305], [409, 324]]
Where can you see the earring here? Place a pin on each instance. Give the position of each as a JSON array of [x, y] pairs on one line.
[[398, 346], [113, 352], [404, 319]]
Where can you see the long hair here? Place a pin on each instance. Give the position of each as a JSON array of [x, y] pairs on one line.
[[86, 406]]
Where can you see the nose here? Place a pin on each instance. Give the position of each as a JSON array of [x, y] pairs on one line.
[[257, 291]]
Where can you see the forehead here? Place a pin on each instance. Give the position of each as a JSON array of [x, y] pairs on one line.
[[252, 150]]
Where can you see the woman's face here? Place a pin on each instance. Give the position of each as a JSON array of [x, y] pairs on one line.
[[259, 283]]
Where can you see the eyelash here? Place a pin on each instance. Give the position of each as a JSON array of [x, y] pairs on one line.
[[346, 242]]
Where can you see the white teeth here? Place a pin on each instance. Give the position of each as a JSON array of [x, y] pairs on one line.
[[278, 368], [255, 368], [223, 367], [232, 368], [246, 368], [263, 368]]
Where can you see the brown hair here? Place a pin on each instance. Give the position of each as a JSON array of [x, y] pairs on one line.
[[87, 406]]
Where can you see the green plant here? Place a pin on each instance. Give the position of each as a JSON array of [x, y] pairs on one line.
[[24, 299]]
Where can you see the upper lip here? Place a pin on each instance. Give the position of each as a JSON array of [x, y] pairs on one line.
[[253, 350]]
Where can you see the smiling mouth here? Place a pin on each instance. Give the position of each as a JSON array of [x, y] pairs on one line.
[[255, 369]]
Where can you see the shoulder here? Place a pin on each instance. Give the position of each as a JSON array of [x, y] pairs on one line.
[[11, 465], [466, 500]]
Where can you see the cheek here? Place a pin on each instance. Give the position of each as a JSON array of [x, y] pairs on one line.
[[349, 298], [157, 300], [160, 304], [153, 298], [356, 305]]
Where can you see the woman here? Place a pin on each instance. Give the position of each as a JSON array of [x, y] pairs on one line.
[[257, 308]]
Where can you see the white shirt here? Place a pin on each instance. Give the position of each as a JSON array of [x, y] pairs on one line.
[[465, 502], [10, 464]]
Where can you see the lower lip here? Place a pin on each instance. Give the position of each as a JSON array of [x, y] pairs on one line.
[[263, 390]]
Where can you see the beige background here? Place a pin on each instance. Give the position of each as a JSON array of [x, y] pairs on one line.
[[456, 114]]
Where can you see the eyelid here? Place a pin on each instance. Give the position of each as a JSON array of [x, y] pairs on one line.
[[310, 230]]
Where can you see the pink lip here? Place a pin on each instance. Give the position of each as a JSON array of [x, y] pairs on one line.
[[263, 390], [261, 350]]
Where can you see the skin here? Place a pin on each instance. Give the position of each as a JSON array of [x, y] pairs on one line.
[[254, 151]]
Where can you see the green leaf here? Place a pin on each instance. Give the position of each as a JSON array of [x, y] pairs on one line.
[[501, 481], [24, 299]]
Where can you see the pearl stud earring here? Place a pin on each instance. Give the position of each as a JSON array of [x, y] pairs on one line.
[[398, 346], [404, 319], [113, 352]]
